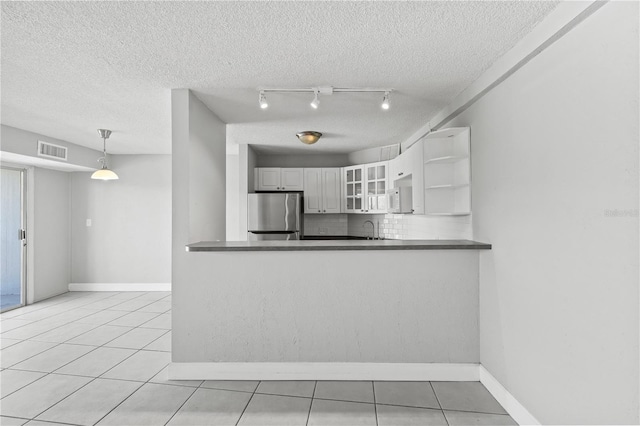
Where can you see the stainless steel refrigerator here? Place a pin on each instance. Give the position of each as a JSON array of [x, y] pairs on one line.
[[274, 216]]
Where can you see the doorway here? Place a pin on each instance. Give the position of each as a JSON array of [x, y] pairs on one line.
[[12, 238]]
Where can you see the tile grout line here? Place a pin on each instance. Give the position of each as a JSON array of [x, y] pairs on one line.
[[439, 404], [313, 394], [248, 402], [375, 404], [132, 393], [181, 405]]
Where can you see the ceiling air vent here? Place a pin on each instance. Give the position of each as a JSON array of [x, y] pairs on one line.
[[49, 150]]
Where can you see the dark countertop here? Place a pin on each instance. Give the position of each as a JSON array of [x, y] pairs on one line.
[[314, 245]]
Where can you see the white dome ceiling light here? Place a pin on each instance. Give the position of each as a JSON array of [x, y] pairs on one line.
[[309, 137]]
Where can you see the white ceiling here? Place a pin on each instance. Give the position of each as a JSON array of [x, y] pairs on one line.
[[69, 68]]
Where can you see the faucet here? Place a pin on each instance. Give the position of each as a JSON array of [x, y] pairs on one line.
[[373, 227]]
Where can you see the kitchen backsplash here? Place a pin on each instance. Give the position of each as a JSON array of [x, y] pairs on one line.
[[325, 224], [390, 226]]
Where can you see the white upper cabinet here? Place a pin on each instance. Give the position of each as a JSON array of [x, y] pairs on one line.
[[447, 172], [322, 190], [353, 182], [312, 190], [279, 179], [376, 176], [365, 187], [407, 170], [331, 190], [292, 179]]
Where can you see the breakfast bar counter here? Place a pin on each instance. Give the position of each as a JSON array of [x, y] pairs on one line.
[[314, 245], [321, 310]]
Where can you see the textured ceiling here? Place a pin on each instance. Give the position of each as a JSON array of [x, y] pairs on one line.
[[69, 68]]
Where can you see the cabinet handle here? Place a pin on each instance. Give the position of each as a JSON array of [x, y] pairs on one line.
[[319, 211], [283, 187], [278, 188], [400, 174], [325, 211]]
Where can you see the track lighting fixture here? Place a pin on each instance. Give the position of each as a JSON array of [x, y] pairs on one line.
[[325, 91], [262, 100], [385, 101], [315, 102]]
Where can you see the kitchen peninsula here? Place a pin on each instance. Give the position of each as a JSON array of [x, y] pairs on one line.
[[363, 309]]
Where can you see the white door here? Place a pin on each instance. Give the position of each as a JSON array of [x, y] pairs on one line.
[[331, 184], [312, 190], [291, 179], [268, 179]]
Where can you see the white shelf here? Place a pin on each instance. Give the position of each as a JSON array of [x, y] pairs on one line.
[[446, 133], [451, 186], [447, 159]]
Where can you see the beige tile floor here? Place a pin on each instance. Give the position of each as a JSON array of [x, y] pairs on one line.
[[100, 358]]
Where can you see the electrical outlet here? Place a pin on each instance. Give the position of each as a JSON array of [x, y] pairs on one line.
[[88, 222]]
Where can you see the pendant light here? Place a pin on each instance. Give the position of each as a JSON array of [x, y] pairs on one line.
[[104, 173], [309, 137]]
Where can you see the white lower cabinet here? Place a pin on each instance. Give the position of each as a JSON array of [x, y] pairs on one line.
[[322, 190]]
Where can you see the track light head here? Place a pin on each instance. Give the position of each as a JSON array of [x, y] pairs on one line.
[[315, 103], [385, 101], [262, 100]]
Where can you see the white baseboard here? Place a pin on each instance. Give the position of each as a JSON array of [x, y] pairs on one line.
[[120, 287], [516, 410], [322, 371]]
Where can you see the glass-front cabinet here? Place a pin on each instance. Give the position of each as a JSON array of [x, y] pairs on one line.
[[353, 178], [365, 188], [376, 193]]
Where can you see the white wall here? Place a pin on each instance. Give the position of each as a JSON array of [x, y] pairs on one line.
[[207, 173], [129, 240], [317, 160], [233, 195], [554, 148], [23, 142], [198, 194], [51, 232]]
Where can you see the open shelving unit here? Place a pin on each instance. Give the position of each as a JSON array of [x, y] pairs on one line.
[[447, 172]]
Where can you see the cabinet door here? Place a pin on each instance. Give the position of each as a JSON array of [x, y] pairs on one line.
[[353, 179], [268, 179], [376, 187], [292, 179], [331, 190], [312, 190]]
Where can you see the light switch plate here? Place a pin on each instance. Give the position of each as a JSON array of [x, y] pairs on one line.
[[88, 222]]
